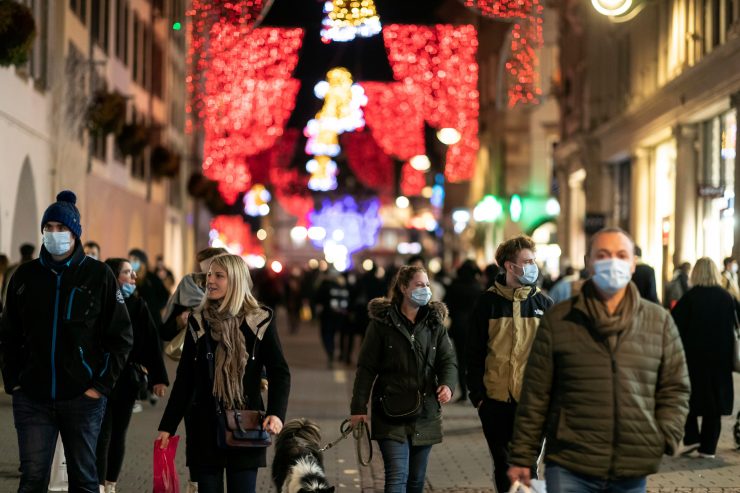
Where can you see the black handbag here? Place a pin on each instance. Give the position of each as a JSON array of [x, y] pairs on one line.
[[137, 380], [236, 428]]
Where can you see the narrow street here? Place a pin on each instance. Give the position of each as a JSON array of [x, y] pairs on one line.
[[460, 464]]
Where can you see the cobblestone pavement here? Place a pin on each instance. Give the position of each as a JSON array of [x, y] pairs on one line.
[[459, 465]]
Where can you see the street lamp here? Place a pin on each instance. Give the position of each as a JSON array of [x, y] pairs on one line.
[[611, 8]]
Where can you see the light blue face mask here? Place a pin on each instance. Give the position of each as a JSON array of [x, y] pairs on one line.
[[135, 265], [611, 275], [57, 243], [128, 289], [530, 274], [421, 296]]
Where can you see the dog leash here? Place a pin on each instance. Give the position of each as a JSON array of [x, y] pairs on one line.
[[357, 433]]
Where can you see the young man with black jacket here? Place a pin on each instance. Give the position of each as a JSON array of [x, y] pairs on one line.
[[65, 335], [504, 325]]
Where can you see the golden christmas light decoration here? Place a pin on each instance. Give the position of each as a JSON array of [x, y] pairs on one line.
[[347, 19]]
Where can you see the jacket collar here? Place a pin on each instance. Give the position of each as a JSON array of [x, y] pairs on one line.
[[257, 320], [382, 310], [512, 294]]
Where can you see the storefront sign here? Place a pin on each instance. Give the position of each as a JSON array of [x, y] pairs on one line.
[[711, 192]]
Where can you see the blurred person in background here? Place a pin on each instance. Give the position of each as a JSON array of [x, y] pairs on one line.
[[188, 295], [332, 304], [3, 269], [26, 250], [293, 299], [678, 286], [164, 273], [490, 273], [644, 278], [144, 368], [706, 317], [92, 249], [149, 285], [567, 286], [503, 327], [729, 277], [460, 299]]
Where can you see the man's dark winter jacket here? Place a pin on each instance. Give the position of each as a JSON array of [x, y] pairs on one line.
[[396, 358], [65, 328], [607, 413]]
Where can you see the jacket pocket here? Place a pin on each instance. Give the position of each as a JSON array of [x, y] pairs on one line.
[[84, 362], [564, 433], [81, 305]]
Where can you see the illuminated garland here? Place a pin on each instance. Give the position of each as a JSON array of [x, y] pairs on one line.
[[372, 167], [256, 201], [441, 61], [412, 181], [289, 185], [347, 19], [203, 15], [233, 233], [249, 96], [393, 116], [341, 112], [349, 227], [526, 38]]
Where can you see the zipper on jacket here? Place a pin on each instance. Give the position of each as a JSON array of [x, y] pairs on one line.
[[615, 432], [54, 340], [84, 363], [105, 365], [70, 303]]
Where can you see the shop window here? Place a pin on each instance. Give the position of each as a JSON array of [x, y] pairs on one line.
[[158, 68], [100, 23], [135, 58], [122, 31]]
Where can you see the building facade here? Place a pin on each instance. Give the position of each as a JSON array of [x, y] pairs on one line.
[[83, 48], [649, 126]]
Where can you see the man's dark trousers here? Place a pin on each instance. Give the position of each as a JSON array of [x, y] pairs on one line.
[[38, 423]]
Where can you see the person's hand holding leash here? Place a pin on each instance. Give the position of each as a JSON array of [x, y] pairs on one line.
[[272, 425], [444, 394]]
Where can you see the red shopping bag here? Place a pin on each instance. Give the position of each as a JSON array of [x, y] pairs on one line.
[[165, 475]]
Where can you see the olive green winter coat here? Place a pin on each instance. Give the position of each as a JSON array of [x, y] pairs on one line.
[[397, 361], [606, 413]]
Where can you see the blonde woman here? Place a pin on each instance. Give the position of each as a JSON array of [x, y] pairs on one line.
[[244, 339], [705, 316]]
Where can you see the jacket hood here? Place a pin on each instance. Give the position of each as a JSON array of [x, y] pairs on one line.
[[379, 309]]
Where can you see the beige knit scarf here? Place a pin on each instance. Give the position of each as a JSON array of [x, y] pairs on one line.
[[604, 323], [230, 357]]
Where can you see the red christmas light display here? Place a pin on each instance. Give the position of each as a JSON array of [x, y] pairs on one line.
[[393, 116], [289, 185], [412, 181], [233, 233], [526, 38], [204, 14], [441, 62], [367, 161], [249, 95]]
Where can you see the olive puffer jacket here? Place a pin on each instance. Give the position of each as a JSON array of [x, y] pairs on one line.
[[402, 355], [605, 413]]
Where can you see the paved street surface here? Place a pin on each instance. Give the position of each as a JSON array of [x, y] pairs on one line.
[[460, 464]]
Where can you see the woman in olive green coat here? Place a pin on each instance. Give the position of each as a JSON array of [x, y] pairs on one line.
[[408, 362]]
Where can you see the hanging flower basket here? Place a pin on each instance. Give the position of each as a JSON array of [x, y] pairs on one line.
[[165, 163], [107, 113], [17, 32], [133, 139]]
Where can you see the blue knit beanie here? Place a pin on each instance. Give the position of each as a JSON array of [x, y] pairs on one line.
[[64, 211]]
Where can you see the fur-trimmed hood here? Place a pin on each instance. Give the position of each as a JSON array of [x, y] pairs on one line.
[[380, 308]]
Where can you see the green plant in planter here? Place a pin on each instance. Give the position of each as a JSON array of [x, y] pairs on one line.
[[165, 163], [133, 139], [17, 32], [106, 113]]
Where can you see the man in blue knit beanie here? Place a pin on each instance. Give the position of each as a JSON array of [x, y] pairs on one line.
[[65, 336]]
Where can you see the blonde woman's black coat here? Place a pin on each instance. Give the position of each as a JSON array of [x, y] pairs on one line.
[[193, 400]]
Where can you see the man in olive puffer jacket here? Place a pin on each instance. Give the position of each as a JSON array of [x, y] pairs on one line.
[[606, 383]]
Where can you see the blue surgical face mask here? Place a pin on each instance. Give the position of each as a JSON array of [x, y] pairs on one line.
[[612, 274], [421, 296], [135, 265], [57, 243], [529, 275], [128, 289]]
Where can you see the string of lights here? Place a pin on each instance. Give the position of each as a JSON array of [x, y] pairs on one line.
[[347, 19], [392, 115], [372, 167], [233, 233], [441, 62], [413, 181]]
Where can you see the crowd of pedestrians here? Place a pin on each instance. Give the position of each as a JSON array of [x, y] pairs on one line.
[[587, 374]]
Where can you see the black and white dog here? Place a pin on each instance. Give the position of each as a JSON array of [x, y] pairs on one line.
[[298, 465]]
